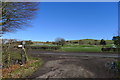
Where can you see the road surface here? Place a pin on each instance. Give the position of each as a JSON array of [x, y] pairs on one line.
[[112, 55], [74, 65]]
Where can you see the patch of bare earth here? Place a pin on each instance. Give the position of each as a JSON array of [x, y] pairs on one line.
[[73, 67], [58, 70]]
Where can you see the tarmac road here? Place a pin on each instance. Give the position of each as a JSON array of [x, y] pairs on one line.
[[112, 55]]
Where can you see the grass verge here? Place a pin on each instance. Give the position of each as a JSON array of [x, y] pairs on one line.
[[18, 71], [118, 66]]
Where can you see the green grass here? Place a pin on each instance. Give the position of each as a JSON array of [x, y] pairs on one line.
[[79, 46], [118, 64], [14, 55], [45, 45], [86, 45], [26, 71], [82, 48], [23, 71]]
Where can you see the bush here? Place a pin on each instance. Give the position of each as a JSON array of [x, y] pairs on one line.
[[46, 47], [118, 65]]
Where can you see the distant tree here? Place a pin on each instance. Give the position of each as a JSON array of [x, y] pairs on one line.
[[67, 41], [80, 42], [75, 42], [95, 42], [70, 42], [60, 41], [89, 43], [102, 42], [116, 40], [28, 42], [47, 41], [16, 14], [53, 43]]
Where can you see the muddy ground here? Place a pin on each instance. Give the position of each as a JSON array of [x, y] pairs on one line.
[[64, 66]]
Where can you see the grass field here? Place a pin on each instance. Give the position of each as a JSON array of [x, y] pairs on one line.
[[84, 45], [81, 48]]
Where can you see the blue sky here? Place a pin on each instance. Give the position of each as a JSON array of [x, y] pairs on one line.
[[71, 21]]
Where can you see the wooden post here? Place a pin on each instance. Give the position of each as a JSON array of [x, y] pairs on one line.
[[23, 47]]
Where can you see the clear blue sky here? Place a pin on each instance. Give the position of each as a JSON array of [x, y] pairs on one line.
[[71, 21]]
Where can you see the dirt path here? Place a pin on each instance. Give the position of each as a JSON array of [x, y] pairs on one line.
[[73, 67]]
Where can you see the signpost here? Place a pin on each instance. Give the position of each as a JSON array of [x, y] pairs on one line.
[[23, 43], [19, 45], [23, 52]]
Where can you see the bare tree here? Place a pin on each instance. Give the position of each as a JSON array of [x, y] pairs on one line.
[[16, 14], [60, 41]]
